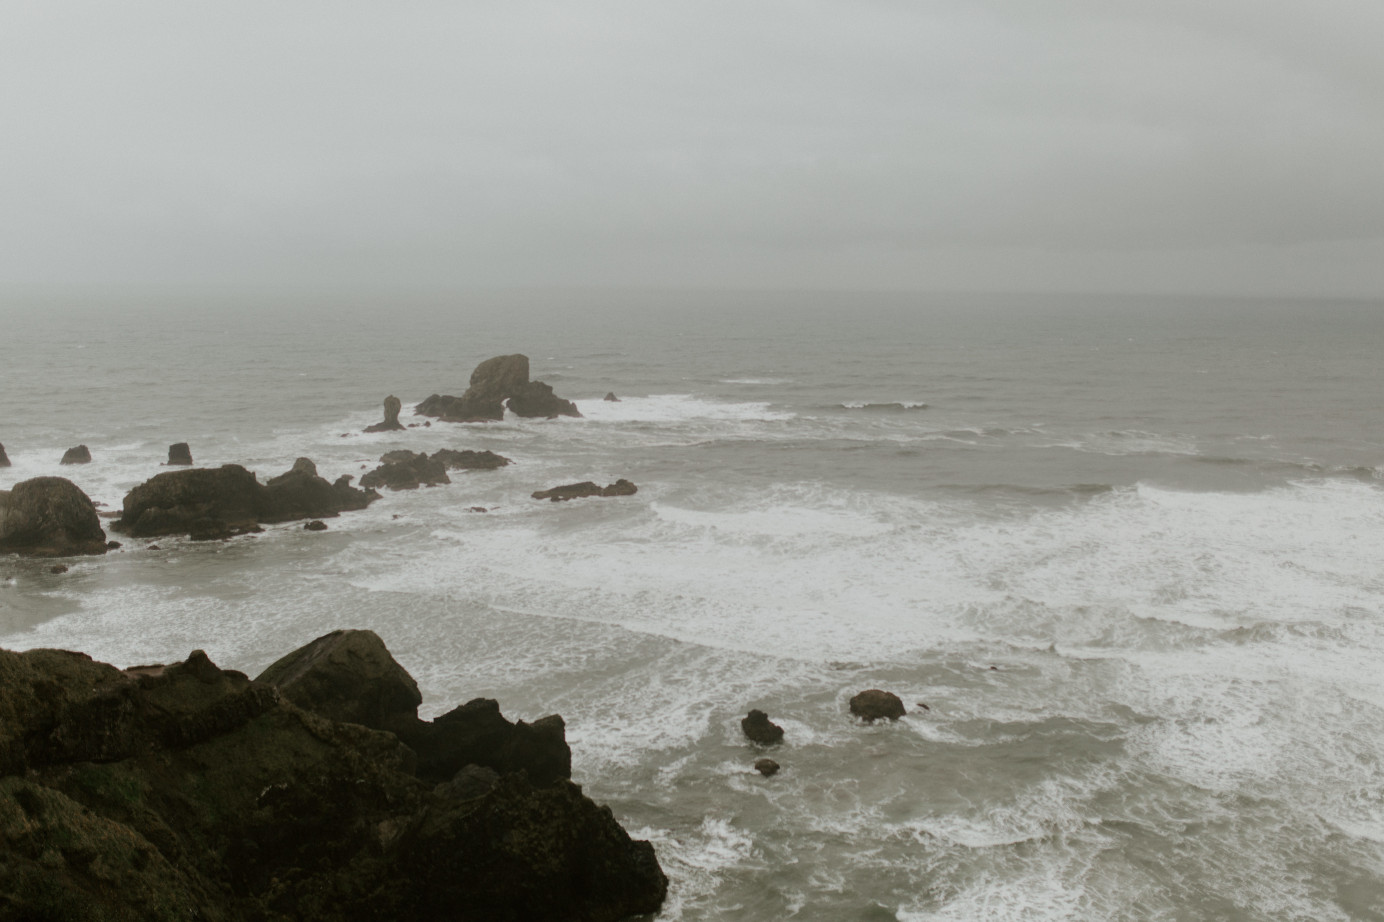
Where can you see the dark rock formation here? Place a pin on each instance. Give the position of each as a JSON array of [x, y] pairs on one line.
[[620, 487], [316, 525], [49, 517], [406, 470], [210, 503], [350, 676], [58, 568], [392, 406], [766, 767], [189, 792], [873, 704], [4, 459], [495, 381], [469, 460], [760, 729], [610, 397], [179, 454], [79, 455]]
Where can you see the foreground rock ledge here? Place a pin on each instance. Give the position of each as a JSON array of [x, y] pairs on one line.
[[187, 791]]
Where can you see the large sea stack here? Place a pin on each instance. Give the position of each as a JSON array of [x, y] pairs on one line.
[[207, 503], [495, 381], [49, 517], [392, 406], [186, 791]]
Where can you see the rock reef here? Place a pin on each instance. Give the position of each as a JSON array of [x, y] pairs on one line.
[[187, 791], [210, 503], [568, 491], [495, 383]]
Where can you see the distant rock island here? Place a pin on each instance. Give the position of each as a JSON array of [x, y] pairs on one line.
[[496, 383]]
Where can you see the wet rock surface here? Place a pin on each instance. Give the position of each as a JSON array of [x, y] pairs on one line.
[[758, 728], [406, 470], [467, 460], [79, 455], [392, 406], [4, 459], [179, 454], [187, 791], [49, 517]]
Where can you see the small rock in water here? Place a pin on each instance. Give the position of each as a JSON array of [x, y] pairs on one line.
[[923, 705], [57, 568], [179, 453], [153, 547], [874, 704], [113, 545], [611, 398], [766, 767], [479, 509], [4, 461], [392, 406], [568, 491], [315, 525], [760, 729], [79, 455]]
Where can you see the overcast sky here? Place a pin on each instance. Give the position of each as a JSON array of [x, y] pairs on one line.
[[1218, 146]]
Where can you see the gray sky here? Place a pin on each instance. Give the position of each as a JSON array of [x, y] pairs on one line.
[[1218, 146]]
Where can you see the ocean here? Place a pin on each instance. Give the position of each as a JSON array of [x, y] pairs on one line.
[[1126, 551]]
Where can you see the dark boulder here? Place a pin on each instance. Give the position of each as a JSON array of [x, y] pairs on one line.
[[210, 503], [610, 397], [766, 767], [187, 791], [49, 517], [493, 382], [468, 460], [315, 525], [874, 704], [405, 470], [760, 729], [4, 459], [79, 455], [568, 491], [392, 406], [179, 454]]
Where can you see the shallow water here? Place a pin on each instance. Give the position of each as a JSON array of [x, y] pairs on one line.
[[1159, 522]]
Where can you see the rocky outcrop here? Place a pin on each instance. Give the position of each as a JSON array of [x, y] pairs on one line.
[[406, 470], [874, 704], [350, 676], [179, 455], [4, 459], [504, 378], [392, 406], [49, 517], [468, 460], [610, 397], [766, 767], [758, 728], [187, 791], [209, 503], [79, 455], [568, 491]]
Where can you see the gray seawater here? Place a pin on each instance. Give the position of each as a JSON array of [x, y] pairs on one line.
[[1128, 552]]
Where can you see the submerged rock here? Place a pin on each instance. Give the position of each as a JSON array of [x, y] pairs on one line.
[[760, 729], [874, 704], [186, 791], [210, 503], [392, 406], [497, 380], [179, 454], [568, 491], [406, 470], [49, 517], [79, 455], [766, 767]]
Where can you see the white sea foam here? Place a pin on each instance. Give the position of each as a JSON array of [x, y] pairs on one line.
[[669, 408]]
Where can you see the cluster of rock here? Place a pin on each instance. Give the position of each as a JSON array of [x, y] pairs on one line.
[[408, 470], [312, 792], [211, 503], [568, 491], [870, 705], [497, 383]]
